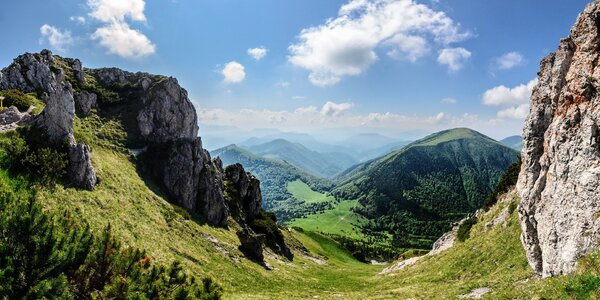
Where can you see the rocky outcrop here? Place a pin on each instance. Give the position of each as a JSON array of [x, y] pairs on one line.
[[85, 102], [167, 114], [41, 74], [80, 167], [244, 190], [251, 244], [10, 118], [559, 177]]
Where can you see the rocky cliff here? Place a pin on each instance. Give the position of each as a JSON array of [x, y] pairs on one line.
[[560, 173], [160, 122]]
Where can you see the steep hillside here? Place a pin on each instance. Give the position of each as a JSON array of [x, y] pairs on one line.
[[428, 184], [515, 142], [318, 164], [274, 176]]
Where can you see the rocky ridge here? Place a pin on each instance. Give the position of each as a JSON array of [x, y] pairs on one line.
[[158, 117], [558, 182]]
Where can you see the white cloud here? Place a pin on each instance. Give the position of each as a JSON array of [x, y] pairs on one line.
[[448, 101], [116, 35], [514, 101], [58, 40], [283, 84], [335, 109], [454, 58], [258, 53], [346, 45], [514, 112], [121, 40], [234, 72], [509, 61], [502, 95], [78, 19], [117, 10]]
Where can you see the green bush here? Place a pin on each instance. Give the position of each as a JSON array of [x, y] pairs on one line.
[[24, 154], [464, 229], [46, 257], [19, 99]]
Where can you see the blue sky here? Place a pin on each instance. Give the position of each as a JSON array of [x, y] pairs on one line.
[[322, 67]]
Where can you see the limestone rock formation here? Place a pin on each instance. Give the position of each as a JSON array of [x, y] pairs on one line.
[[85, 102], [40, 73], [167, 113], [246, 189], [80, 167], [10, 118], [559, 177], [251, 244]]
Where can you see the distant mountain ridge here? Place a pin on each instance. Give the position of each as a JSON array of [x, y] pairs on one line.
[[515, 142], [416, 192], [318, 164]]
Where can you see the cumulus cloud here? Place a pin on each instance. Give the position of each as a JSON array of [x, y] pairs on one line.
[[514, 112], [335, 109], [509, 60], [118, 38], [346, 45], [454, 58], [502, 95], [116, 35], [117, 10], [58, 40], [258, 53], [448, 101], [514, 101], [233, 72]]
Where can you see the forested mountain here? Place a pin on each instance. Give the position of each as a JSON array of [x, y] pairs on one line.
[[515, 142], [416, 193], [274, 176], [319, 164]]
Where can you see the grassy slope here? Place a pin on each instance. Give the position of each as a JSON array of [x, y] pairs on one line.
[[302, 191], [340, 220]]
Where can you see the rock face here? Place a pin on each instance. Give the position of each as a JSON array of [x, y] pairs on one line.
[[85, 101], [559, 177], [10, 118], [39, 73], [248, 198], [80, 168]]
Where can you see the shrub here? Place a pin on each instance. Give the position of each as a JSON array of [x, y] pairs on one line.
[[464, 230], [25, 154], [46, 257], [19, 99]]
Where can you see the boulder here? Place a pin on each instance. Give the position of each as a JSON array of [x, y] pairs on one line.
[[560, 171]]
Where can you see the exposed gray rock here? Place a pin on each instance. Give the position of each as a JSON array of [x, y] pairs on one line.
[[210, 191], [81, 171], [245, 192], [476, 293], [560, 173], [251, 244], [39, 73], [86, 101], [10, 118], [167, 113]]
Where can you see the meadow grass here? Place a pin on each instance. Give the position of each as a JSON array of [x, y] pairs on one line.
[[302, 191]]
